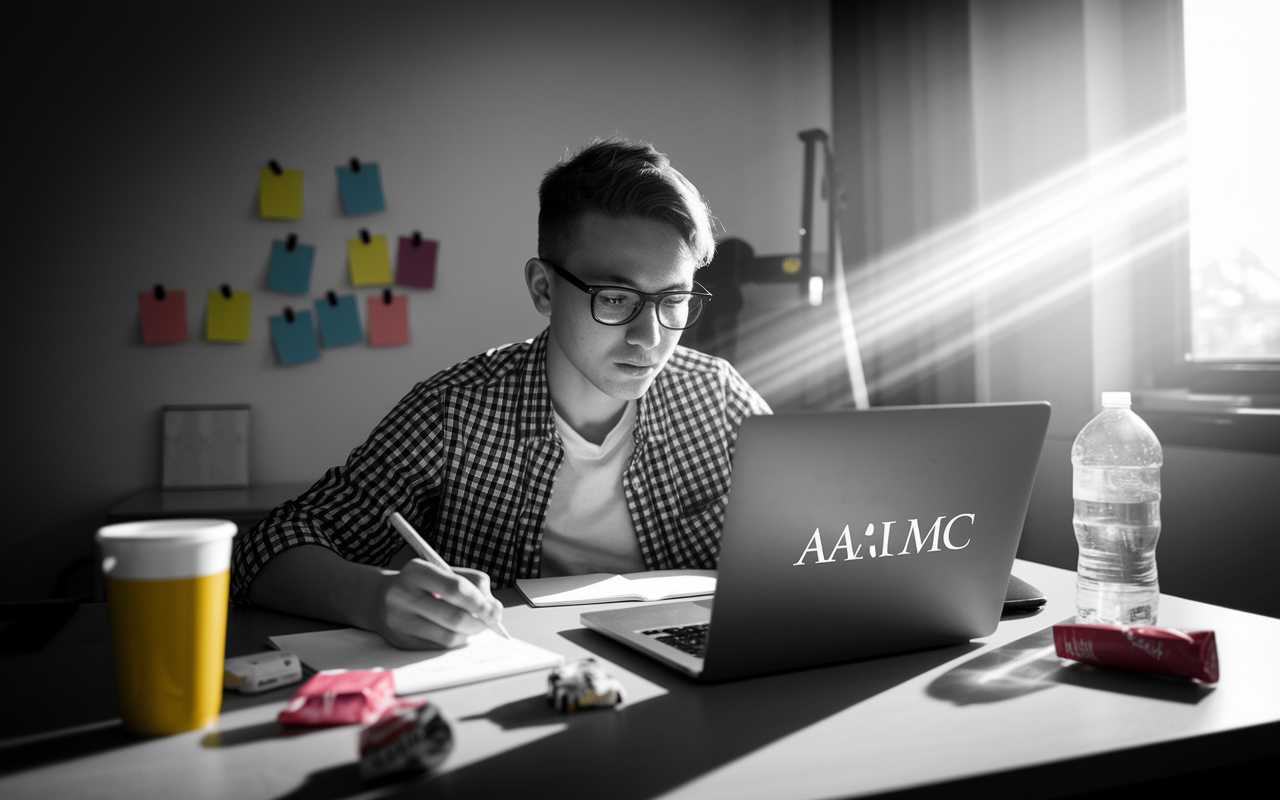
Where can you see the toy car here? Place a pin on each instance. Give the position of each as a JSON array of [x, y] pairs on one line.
[[583, 684]]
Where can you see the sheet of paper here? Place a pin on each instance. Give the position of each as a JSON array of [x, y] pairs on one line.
[[227, 318], [370, 264], [339, 321], [280, 196], [361, 190], [388, 322], [164, 320], [604, 587], [290, 270], [487, 655], [295, 341], [416, 263]]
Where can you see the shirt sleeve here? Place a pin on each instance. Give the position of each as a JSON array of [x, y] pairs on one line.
[[397, 469]]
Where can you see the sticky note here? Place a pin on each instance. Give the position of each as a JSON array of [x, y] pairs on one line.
[[280, 196], [163, 320], [388, 322], [227, 318], [296, 340], [339, 321], [290, 270], [416, 263], [370, 264], [362, 190]]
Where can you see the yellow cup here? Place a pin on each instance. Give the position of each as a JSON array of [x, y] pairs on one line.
[[166, 586]]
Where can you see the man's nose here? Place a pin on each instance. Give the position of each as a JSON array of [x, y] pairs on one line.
[[644, 330]]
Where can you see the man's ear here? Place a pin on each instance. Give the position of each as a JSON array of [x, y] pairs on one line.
[[537, 276]]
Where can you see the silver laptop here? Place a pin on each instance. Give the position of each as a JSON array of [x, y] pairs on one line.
[[854, 534]]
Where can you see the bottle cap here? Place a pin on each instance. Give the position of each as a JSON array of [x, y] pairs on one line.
[[1116, 400]]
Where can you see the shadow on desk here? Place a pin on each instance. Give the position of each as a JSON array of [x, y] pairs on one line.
[[681, 735]]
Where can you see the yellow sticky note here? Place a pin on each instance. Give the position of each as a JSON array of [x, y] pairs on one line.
[[227, 319], [280, 196], [370, 263]]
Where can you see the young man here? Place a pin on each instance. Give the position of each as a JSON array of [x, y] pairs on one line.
[[597, 446]]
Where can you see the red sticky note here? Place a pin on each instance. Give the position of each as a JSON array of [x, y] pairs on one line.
[[164, 320], [416, 263], [388, 321]]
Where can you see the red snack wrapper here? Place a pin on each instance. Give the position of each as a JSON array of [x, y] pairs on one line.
[[409, 736], [1142, 648], [341, 697]]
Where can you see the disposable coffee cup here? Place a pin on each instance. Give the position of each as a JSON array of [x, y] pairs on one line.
[[166, 584]]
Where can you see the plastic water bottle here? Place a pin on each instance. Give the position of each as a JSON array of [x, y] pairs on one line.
[[1116, 486]]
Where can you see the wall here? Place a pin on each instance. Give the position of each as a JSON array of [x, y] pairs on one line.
[[140, 134]]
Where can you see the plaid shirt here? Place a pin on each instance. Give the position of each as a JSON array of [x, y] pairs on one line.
[[470, 455]]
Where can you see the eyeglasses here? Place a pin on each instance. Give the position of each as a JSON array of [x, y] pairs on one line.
[[617, 305]]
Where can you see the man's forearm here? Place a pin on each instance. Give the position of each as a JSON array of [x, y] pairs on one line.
[[314, 581]]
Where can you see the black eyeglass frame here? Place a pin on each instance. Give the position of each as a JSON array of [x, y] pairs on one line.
[[646, 298]]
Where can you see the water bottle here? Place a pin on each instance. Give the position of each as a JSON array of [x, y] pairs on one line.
[[1116, 486]]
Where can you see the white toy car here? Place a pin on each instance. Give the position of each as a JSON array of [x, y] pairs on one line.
[[583, 684]]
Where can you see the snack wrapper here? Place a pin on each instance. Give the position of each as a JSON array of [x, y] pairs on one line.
[[339, 697], [1142, 648], [411, 736]]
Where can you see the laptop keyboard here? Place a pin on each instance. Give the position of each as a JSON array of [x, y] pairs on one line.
[[691, 639]]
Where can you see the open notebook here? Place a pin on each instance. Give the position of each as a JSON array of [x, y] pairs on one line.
[[487, 655], [603, 587]]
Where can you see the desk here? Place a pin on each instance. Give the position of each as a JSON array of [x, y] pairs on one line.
[[999, 714]]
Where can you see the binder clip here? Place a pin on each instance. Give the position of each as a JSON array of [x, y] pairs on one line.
[[291, 242], [275, 167], [226, 290], [333, 299], [364, 235], [386, 297], [355, 164], [159, 290], [417, 238], [288, 315]]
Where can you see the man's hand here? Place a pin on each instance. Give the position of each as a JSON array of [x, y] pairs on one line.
[[424, 606], [418, 607]]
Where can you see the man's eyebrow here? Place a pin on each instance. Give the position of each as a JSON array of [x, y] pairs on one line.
[[618, 280]]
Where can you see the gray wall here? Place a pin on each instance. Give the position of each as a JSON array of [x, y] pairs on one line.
[[140, 135]]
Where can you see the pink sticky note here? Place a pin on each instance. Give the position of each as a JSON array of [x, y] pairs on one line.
[[164, 320], [388, 321], [416, 263]]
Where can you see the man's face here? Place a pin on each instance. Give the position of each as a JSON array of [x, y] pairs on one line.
[[620, 361]]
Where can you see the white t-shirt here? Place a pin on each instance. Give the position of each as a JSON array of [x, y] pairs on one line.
[[588, 527]]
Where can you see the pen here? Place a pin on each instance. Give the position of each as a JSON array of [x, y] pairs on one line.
[[427, 553]]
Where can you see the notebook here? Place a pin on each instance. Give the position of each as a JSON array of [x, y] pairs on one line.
[[486, 655], [854, 534], [604, 587]]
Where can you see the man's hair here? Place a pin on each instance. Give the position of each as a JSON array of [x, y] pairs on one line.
[[619, 178]]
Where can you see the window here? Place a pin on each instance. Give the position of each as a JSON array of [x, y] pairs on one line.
[[1233, 125]]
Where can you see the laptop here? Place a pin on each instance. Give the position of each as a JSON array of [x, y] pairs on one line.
[[853, 534]]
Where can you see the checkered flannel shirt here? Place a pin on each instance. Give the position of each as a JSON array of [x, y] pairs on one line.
[[470, 455]]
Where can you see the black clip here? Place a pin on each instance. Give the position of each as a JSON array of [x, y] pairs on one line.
[[364, 235], [288, 315], [386, 297], [291, 242], [159, 290], [275, 167], [226, 290], [333, 299], [355, 164], [417, 238]]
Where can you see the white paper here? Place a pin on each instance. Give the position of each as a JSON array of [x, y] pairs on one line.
[[604, 587], [487, 655]]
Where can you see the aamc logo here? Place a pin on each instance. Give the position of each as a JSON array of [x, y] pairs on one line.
[[914, 537]]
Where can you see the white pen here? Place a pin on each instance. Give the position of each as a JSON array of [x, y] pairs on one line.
[[428, 553]]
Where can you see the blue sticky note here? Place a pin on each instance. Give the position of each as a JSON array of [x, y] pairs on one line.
[[290, 270], [295, 341], [361, 191], [339, 321]]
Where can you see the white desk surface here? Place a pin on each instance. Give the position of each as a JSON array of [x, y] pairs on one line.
[[1001, 704]]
